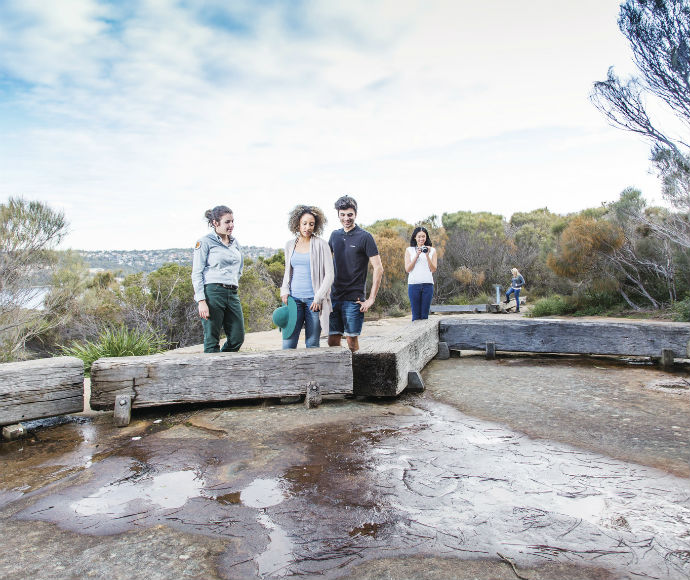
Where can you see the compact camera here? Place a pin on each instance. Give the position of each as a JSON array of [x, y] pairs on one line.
[[424, 249]]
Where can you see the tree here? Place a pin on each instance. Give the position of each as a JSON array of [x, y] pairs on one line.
[[607, 250], [259, 297], [29, 231], [162, 302], [392, 239], [659, 34], [477, 255]]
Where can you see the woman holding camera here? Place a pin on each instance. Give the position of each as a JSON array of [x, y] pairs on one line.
[[420, 264]]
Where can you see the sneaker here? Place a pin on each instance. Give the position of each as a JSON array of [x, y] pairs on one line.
[[506, 301]]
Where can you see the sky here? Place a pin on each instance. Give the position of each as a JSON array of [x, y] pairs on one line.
[[134, 117]]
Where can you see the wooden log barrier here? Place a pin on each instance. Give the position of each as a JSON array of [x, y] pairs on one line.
[[41, 388], [459, 308], [164, 379], [381, 369], [568, 336]]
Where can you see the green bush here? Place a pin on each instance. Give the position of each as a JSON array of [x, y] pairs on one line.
[[681, 310], [554, 305], [114, 342]]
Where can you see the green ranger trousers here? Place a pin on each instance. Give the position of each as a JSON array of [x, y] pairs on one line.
[[224, 313]]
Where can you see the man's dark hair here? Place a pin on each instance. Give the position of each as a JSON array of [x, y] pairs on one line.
[[346, 202]]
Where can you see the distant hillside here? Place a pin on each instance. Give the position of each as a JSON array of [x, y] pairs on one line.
[[130, 261]]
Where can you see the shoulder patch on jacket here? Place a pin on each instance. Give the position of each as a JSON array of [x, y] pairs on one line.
[[198, 245]]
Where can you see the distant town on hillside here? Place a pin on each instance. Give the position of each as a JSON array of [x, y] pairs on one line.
[[130, 261]]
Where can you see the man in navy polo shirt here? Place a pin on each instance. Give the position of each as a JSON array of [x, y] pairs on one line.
[[353, 250]]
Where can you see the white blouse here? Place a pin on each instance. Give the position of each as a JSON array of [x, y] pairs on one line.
[[420, 274]]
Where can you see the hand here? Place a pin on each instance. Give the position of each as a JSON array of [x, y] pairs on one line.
[[366, 305], [203, 309], [419, 250], [315, 306], [284, 298]]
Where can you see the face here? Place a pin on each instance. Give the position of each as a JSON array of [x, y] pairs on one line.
[[347, 218], [306, 225], [420, 238], [225, 225]]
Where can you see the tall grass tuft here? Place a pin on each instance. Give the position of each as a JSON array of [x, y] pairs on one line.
[[554, 305], [114, 342]]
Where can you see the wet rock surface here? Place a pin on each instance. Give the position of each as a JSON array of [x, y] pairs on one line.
[[518, 467]]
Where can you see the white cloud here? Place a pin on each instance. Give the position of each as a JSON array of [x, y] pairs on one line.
[[135, 118]]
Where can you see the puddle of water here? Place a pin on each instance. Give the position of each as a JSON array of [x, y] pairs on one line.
[[367, 529], [167, 490], [262, 493], [590, 508], [229, 498], [276, 559]]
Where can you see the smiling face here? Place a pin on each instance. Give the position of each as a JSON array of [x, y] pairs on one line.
[[225, 225], [306, 225], [347, 218], [420, 238]]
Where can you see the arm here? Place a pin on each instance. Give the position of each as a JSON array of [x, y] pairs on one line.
[[198, 264], [327, 260], [433, 260], [285, 288], [410, 262], [375, 261]]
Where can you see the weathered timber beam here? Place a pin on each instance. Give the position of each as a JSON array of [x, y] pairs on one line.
[[41, 388], [459, 308], [381, 369], [568, 336], [164, 379]]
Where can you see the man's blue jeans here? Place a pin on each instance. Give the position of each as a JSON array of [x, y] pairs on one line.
[[420, 300], [515, 291], [309, 320]]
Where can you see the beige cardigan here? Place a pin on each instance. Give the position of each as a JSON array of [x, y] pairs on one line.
[[321, 265]]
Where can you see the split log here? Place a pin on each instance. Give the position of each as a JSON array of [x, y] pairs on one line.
[[165, 379], [40, 388], [568, 336], [381, 369]]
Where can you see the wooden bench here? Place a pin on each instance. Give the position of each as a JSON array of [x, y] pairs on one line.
[[659, 340], [387, 366], [40, 388], [164, 379]]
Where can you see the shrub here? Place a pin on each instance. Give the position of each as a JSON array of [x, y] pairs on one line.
[[553, 305], [681, 310], [114, 342]]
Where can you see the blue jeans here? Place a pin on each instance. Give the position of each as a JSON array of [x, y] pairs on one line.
[[515, 291], [346, 318], [309, 320], [420, 300]]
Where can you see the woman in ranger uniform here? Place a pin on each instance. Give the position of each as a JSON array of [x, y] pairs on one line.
[[216, 271]]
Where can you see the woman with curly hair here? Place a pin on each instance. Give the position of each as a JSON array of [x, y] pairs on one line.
[[308, 275]]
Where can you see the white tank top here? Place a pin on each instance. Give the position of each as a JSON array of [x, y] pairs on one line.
[[420, 274]]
